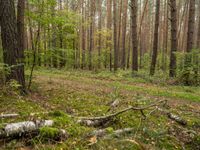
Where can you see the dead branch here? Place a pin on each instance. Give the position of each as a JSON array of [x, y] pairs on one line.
[[106, 134], [15, 115], [98, 121], [2, 116]]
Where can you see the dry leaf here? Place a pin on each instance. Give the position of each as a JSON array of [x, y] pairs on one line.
[[93, 140]]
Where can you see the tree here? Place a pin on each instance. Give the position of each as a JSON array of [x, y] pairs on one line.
[[109, 28], [115, 35], [191, 23], [134, 35], [12, 51], [155, 43], [99, 28], [83, 34], [198, 33], [124, 22], [91, 46], [172, 67], [21, 40]]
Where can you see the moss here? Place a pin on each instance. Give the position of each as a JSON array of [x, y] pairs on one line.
[[57, 113], [110, 130], [49, 132]]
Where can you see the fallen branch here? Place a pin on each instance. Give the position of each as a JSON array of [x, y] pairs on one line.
[[15, 115], [29, 127], [106, 134], [173, 117], [2, 116], [98, 121]]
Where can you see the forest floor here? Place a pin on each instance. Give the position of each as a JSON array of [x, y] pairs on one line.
[[83, 93]]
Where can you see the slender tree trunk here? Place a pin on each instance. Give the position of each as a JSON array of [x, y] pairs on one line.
[[119, 26], [191, 23], [124, 22], [109, 27], [54, 53], [21, 39], [134, 35], [198, 34], [155, 43], [99, 28], [172, 67], [83, 34], [92, 7], [115, 35]]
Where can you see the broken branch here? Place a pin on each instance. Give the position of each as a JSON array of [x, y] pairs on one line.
[[98, 121]]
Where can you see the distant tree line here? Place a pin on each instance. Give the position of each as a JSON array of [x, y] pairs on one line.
[[146, 35]]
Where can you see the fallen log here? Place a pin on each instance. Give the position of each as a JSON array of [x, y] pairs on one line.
[[14, 130], [99, 121]]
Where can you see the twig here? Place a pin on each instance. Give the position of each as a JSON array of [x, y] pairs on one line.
[[15, 115]]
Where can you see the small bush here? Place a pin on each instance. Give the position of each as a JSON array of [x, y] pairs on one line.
[[189, 68]]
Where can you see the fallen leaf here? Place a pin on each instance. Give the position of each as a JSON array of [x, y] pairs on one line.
[[93, 140]]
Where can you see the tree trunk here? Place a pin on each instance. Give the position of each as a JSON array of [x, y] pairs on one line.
[[155, 43], [83, 34], [99, 28], [124, 21], [134, 35], [191, 23], [115, 35], [92, 8], [172, 67], [109, 27], [21, 39], [198, 34], [12, 53]]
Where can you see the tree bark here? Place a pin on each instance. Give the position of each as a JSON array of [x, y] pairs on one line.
[[21, 39], [99, 28], [191, 23], [134, 35], [124, 21], [91, 46], [155, 43], [109, 28], [12, 53], [172, 67], [83, 34], [115, 35], [198, 34]]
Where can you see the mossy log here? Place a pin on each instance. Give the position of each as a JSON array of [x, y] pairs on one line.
[[16, 130]]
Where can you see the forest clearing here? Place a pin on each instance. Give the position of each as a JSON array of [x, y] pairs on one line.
[[100, 74], [67, 95]]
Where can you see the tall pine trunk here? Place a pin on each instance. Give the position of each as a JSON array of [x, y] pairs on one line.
[[172, 67], [134, 35], [155, 43], [124, 22], [115, 35]]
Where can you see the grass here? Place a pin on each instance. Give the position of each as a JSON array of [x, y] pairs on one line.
[[84, 93]]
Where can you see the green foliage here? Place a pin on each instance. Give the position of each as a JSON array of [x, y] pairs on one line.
[[189, 68]]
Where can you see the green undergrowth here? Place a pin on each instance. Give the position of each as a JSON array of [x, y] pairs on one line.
[[66, 95]]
